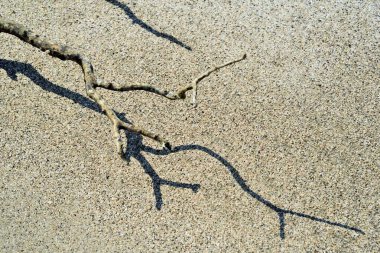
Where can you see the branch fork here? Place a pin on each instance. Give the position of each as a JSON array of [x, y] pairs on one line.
[[135, 145], [92, 81]]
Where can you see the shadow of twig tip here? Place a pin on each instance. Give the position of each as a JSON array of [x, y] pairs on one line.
[[159, 207], [196, 188], [360, 231]]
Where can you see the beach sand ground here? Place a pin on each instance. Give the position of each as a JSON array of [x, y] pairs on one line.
[[297, 122]]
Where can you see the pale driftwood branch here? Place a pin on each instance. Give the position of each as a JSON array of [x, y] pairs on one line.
[[181, 94], [207, 73], [92, 81]]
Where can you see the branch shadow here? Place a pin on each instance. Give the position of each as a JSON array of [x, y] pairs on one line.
[[135, 147], [145, 26], [14, 67], [134, 150], [281, 212]]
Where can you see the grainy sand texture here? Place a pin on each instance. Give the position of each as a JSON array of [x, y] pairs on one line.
[[284, 145]]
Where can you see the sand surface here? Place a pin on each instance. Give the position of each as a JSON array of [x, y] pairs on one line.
[[296, 125]]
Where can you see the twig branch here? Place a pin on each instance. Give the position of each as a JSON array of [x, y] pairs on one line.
[[92, 81], [181, 94], [207, 73], [136, 146]]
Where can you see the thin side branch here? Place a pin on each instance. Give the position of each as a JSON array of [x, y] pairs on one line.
[[181, 94], [167, 94], [207, 73], [92, 81], [135, 144]]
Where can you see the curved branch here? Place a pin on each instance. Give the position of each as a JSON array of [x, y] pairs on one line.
[[181, 94], [135, 147], [92, 81]]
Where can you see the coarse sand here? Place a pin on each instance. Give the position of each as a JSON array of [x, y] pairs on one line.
[[284, 145]]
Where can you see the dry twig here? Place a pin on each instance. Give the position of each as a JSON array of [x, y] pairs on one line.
[[92, 81]]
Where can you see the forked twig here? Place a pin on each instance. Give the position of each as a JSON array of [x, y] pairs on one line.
[[134, 145], [92, 81]]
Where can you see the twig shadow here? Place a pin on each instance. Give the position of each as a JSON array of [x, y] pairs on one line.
[[135, 149], [145, 26], [14, 67], [281, 212]]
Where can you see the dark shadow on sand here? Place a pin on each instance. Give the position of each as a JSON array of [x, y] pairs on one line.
[[145, 26], [135, 149]]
